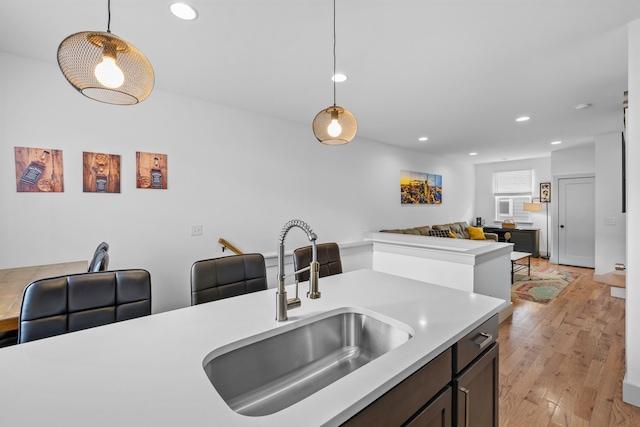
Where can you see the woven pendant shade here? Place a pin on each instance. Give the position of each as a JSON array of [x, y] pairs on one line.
[[345, 119], [80, 53]]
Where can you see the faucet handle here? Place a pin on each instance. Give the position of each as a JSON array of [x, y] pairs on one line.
[[314, 276], [293, 303]]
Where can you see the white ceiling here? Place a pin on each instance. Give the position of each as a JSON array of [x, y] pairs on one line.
[[457, 71]]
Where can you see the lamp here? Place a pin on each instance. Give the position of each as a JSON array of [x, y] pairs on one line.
[[532, 206], [335, 125], [104, 67], [537, 207]]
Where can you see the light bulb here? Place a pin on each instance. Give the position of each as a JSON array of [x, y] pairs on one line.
[[334, 129], [108, 73]]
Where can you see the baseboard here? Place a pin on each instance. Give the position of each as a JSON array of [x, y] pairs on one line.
[[618, 292], [505, 313], [630, 392]]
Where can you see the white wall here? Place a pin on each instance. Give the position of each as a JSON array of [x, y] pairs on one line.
[[610, 238], [241, 175], [631, 384], [570, 162], [573, 161], [485, 201]]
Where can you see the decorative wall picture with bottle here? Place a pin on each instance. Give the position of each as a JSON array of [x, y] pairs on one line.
[[418, 188], [100, 173], [151, 170], [39, 170]]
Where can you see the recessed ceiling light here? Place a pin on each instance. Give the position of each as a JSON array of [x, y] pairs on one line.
[[473, 154], [339, 77], [184, 11], [423, 138], [556, 142], [523, 119]]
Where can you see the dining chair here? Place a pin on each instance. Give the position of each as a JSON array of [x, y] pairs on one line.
[[328, 257], [63, 304], [218, 278], [104, 246], [100, 260]]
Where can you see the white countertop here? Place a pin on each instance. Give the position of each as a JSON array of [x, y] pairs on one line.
[[148, 371], [463, 251]]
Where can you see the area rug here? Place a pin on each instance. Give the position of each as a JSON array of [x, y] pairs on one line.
[[543, 285]]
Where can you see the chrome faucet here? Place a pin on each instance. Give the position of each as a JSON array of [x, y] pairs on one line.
[[282, 303]]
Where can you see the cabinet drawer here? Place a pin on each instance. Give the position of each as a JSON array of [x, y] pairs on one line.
[[474, 343], [399, 404]]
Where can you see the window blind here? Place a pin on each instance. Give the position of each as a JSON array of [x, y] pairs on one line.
[[513, 182]]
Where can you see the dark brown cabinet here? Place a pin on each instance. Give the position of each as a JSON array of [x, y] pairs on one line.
[[438, 413], [476, 400], [523, 239], [457, 388]]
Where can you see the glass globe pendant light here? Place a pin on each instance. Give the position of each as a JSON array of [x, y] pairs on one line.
[[335, 125], [106, 68]]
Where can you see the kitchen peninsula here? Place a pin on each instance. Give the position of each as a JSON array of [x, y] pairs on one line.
[[149, 371], [480, 266]]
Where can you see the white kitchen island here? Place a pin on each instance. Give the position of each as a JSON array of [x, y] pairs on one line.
[[149, 371]]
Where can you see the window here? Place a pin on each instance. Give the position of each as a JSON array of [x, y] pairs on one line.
[[512, 189]]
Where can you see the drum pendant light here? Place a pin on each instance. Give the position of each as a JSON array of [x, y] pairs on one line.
[[335, 125], [106, 68]]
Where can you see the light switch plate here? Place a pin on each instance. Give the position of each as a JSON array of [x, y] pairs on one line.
[[196, 230]]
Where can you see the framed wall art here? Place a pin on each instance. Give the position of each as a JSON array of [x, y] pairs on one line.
[[545, 192], [151, 170], [39, 170], [418, 188], [100, 173]]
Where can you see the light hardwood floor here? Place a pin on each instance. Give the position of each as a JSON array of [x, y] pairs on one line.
[[562, 364]]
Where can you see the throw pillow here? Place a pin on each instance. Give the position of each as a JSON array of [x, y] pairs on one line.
[[476, 233], [452, 235], [439, 233]]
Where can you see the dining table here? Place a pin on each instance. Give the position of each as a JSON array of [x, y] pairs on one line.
[[13, 282]]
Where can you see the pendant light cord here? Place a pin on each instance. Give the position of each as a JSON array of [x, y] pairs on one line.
[[108, 16], [334, 53]]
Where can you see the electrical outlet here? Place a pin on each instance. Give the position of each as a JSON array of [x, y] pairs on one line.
[[196, 230], [609, 221]]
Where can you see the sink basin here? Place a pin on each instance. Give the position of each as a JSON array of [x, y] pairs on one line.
[[269, 372]]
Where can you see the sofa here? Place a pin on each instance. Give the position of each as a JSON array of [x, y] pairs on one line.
[[458, 230]]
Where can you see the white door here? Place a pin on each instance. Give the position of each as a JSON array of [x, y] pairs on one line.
[[576, 221]]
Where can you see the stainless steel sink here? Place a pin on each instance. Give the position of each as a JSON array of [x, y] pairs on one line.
[[271, 371]]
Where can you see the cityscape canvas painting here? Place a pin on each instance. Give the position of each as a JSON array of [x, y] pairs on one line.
[[418, 188]]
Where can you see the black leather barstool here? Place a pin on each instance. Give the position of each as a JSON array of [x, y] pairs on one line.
[[8, 338], [218, 278], [63, 304], [328, 258]]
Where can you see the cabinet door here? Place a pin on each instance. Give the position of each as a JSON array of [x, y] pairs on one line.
[[523, 241], [437, 413], [476, 392]]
